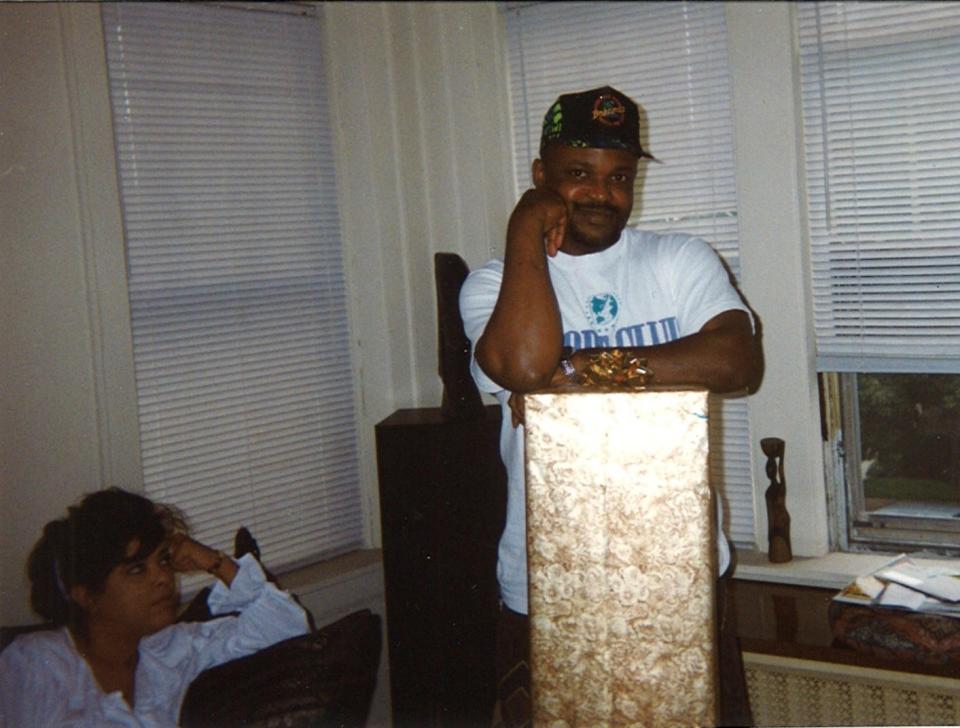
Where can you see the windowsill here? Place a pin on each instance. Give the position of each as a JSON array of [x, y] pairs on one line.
[[832, 571], [335, 587], [331, 570], [793, 622]]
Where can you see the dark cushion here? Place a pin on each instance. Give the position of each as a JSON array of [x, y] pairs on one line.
[[325, 678]]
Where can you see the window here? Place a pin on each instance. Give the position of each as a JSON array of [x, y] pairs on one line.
[[671, 58], [881, 96], [235, 275]]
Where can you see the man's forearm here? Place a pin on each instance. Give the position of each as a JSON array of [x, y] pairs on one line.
[[721, 356], [521, 344]]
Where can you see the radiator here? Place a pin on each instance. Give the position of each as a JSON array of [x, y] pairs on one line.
[[786, 691]]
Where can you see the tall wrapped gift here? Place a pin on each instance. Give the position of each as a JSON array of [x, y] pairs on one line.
[[621, 556]]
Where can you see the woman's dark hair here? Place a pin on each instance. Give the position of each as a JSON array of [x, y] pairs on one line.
[[83, 548]]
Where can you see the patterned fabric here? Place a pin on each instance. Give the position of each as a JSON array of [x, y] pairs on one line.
[[929, 638], [512, 709], [620, 546]]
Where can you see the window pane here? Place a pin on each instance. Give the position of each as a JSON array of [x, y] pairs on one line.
[[910, 442], [882, 160]]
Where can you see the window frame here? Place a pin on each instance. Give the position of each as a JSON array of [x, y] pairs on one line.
[[858, 528], [839, 360]]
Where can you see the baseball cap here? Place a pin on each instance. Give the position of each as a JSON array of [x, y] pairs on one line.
[[602, 118]]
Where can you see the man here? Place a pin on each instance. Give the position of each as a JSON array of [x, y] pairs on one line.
[[573, 279]]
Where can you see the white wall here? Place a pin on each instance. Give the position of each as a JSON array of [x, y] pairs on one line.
[[773, 256], [419, 96], [420, 108], [56, 292]]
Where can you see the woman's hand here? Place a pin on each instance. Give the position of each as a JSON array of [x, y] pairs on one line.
[[187, 555]]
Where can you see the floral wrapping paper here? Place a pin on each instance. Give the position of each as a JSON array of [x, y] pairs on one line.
[[620, 545]]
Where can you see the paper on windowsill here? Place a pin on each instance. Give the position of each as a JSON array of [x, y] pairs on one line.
[[924, 580], [895, 595], [905, 584], [869, 585]]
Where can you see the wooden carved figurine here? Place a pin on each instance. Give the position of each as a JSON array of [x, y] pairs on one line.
[[778, 519], [461, 398]]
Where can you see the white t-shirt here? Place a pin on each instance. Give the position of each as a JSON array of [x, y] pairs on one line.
[[646, 289], [45, 683]]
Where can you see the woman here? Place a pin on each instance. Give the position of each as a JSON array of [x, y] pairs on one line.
[[106, 574]]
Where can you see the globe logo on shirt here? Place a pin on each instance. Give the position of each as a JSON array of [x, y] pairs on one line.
[[602, 310]]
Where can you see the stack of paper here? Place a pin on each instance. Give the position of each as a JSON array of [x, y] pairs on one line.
[[908, 584]]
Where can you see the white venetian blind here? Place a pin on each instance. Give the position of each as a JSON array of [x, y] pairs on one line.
[[236, 280], [671, 58], [881, 103]]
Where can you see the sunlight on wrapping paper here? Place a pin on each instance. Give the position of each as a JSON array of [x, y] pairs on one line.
[[621, 559]]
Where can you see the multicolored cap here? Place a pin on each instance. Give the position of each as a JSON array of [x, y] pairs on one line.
[[601, 118]]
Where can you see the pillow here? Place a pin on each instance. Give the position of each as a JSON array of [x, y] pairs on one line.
[[324, 678]]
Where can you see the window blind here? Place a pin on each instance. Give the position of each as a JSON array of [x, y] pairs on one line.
[[881, 99], [236, 282], [671, 58]]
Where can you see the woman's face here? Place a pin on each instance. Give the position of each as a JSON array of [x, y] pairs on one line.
[[139, 597]]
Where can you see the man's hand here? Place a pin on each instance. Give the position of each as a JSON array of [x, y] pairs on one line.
[[721, 357], [546, 209], [520, 347], [516, 409]]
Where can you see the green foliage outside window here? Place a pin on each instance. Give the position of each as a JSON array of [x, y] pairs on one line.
[[910, 436]]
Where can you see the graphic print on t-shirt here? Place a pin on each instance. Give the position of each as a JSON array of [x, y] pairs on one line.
[[602, 311], [647, 333]]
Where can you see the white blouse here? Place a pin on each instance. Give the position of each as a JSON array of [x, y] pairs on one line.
[[44, 682]]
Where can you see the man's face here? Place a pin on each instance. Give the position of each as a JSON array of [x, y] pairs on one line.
[[597, 185]]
